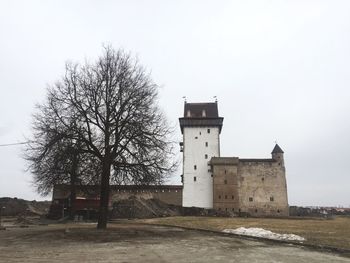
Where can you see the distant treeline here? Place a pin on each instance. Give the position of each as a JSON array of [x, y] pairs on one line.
[[318, 211]]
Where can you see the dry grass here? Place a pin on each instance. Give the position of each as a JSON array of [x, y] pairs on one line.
[[331, 232]]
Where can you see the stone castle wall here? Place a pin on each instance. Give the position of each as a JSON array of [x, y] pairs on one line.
[[170, 194], [165, 194], [253, 186], [225, 185], [263, 189]]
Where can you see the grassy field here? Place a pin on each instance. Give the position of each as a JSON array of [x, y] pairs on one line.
[[326, 232]]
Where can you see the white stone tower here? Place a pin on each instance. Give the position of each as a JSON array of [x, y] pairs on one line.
[[201, 128]]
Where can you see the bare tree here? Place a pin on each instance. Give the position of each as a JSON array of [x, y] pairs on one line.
[[55, 158], [114, 105]]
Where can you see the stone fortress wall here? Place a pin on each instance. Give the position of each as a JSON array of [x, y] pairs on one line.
[[170, 194], [254, 186]]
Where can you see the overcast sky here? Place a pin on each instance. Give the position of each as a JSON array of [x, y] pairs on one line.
[[280, 70]]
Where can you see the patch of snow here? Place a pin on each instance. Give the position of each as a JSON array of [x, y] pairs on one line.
[[260, 232]]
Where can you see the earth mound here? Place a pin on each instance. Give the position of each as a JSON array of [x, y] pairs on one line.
[[135, 207], [20, 207]]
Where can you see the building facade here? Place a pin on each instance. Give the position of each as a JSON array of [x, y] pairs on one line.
[[201, 127], [252, 186]]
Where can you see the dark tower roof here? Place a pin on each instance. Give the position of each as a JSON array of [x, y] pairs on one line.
[[201, 115], [201, 110], [277, 149]]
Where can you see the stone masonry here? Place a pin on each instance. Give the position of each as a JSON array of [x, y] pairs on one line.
[[253, 186]]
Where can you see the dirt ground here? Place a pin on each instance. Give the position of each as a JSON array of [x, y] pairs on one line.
[[123, 242], [327, 232]]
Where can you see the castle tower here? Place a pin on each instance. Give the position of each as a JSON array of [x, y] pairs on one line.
[[201, 127], [277, 154]]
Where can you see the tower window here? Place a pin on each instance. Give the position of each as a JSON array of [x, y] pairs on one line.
[[225, 182], [272, 199], [195, 167], [250, 199], [206, 144], [206, 156], [194, 178], [208, 130], [233, 197], [225, 196], [196, 137]]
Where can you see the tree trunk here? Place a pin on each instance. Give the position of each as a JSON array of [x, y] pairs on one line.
[[73, 180], [104, 196], [72, 198]]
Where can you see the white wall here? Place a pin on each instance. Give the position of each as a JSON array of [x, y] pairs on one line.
[[199, 193]]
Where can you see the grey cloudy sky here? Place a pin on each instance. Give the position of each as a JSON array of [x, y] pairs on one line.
[[280, 70]]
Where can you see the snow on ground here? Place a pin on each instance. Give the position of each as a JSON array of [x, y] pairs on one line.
[[260, 232]]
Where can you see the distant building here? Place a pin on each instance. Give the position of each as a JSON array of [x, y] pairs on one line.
[[253, 186]]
